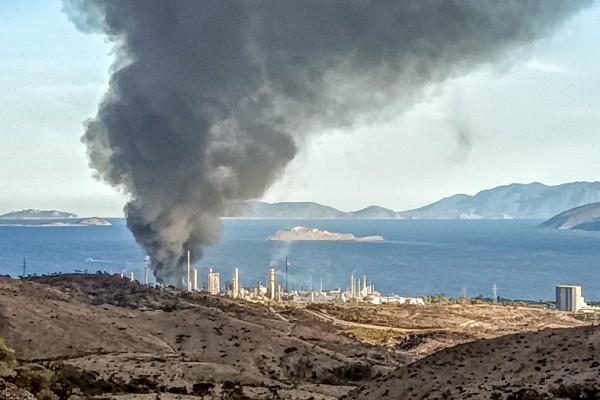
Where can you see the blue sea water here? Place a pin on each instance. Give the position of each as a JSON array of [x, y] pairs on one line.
[[418, 257]]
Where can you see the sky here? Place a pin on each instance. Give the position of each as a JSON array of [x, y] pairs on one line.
[[532, 117]]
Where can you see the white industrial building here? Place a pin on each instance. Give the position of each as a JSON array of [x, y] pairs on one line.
[[569, 298]]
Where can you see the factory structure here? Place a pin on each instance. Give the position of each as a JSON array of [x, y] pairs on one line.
[[360, 290], [570, 298]]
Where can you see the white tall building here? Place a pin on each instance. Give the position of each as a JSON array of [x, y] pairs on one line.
[[214, 286]]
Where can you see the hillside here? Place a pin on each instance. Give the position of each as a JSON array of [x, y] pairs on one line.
[[585, 217], [138, 339], [534, 200], [550, 364], [110, 337]]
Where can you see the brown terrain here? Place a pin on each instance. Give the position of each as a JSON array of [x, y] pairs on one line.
[[99, 336]]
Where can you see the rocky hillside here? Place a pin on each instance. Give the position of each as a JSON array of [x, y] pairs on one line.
[[585, 217]]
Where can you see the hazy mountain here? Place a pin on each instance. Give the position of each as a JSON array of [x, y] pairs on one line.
[[372, 212], [38, 214], [305, 210], [290, 210], [534, 200], [585, 217]]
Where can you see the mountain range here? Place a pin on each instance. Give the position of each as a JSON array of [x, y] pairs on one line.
[[513, 201], [518, 201]]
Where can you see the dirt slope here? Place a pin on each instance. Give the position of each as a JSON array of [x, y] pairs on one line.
[[122, 331], [554, 363]]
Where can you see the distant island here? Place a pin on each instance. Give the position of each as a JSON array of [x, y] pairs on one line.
[[38, 214], [586, 217], [48, 218], [303, 233]]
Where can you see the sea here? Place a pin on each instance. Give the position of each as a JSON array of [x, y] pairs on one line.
[[418, 257]]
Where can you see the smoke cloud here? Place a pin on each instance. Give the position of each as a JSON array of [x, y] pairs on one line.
[[210, 100]]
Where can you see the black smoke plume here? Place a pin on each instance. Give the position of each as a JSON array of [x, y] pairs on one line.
[[210, 99]]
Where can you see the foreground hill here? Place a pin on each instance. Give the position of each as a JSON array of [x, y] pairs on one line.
[[125, 337], [106, 337], [585, 217], [533, 200], [550, 364]]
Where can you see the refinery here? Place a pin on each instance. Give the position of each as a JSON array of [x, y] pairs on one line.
[[359, 290], [568, 297]]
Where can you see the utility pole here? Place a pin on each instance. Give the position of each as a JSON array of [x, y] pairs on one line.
[[24, 268]]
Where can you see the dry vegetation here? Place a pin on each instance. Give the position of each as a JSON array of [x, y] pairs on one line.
[[97, 336]]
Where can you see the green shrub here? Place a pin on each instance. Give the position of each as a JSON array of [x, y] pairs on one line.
[[6, 353], [33, 377], [8, 361], [46, 394]]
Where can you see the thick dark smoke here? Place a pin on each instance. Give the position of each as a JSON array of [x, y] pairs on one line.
[[210, 99]]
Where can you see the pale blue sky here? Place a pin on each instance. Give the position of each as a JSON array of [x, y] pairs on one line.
[[533, 117]]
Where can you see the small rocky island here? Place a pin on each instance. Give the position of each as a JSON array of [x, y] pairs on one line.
[[303, 233]]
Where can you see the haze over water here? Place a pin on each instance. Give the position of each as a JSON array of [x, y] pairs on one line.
[[419, 257]]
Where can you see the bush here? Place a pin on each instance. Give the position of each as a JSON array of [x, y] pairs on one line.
[[8, 361], [46, 394], [6, 353], [34, 377]]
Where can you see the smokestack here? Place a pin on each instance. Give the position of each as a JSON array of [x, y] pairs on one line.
[[189, 265], [131, 277], [195, 280], [236, 283], [272, 285], [209, 100]]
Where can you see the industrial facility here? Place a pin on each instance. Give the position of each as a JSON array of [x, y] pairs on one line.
[[569, 298], [360, 290]]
